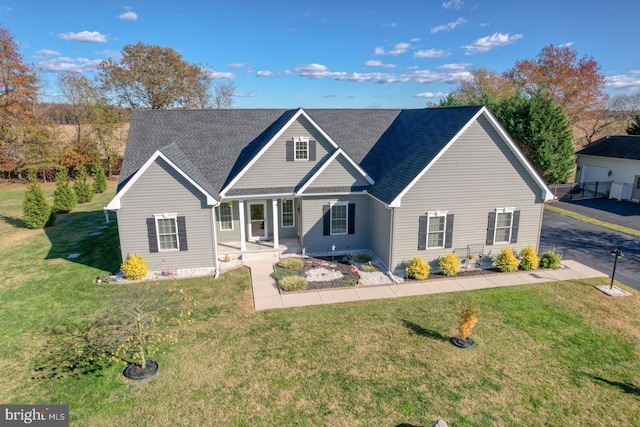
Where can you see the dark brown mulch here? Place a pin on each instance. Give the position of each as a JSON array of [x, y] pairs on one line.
[[469, 273]]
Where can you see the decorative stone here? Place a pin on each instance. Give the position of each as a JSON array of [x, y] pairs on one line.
[[440, 423], [74, 256], [95, 233]]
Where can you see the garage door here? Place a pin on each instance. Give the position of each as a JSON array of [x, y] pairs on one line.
[[595, 173]]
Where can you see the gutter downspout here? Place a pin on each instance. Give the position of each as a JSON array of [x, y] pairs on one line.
[[391, 237], [214, 235]]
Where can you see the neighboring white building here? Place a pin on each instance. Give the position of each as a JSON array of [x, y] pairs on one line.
[[613, 159]]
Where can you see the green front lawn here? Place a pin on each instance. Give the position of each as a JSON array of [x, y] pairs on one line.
[[558, 354]]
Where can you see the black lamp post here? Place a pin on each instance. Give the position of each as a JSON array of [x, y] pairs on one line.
[[617, 253]]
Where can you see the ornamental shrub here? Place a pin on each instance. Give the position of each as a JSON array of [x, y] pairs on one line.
[[550, 259], [64, 198], [507, 261], [84, 191], [293, 264], [528, 259], [468, 318], [37, 212], [369, 268], [362, 258], [99, 178], [449, 265], [134, 268], [293, 283], [418, 269]]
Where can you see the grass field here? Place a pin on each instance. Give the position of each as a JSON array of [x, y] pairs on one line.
[[557, 354]]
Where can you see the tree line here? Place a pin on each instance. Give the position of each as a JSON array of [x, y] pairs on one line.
[[32, 142]]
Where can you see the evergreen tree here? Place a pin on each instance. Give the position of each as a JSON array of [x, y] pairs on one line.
[[36, 209], [542, 131], [82, 188], [634, 127], [64, 198], [99, 178]]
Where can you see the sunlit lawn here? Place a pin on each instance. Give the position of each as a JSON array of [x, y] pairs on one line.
[[558, 354]]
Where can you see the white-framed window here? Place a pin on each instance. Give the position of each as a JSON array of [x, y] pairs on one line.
[[339, 218], [436, 227], [225, 213], [504, 224], [301, 148], [287, 215], [167, 232]]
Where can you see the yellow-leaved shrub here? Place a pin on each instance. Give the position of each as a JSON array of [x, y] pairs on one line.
[[449, 264], [418, 269], [507, 261], [134, 268], [529, 259]]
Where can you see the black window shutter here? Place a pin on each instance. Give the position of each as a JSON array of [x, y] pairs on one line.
[[422, 232], [182, 234], [151, 233], [351, 218], [289, 151], [514, 226], [491, 228], [312, 151], [448, 232], [326, 220]]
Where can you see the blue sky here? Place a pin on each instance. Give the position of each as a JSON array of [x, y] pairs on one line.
[[326, 54]]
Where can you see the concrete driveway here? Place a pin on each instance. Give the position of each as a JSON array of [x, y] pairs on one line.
[[592, 245]]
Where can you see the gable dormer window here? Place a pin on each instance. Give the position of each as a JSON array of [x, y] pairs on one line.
[[301, 149]]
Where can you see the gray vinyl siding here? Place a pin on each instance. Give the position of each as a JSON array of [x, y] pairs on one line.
[[287, 232], [313, 239], [339, 173], [226, 236], [271, 170], [159, 190], [379, 229], [476, 175]]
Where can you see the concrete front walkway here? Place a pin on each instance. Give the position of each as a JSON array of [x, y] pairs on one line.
[[266, 295]]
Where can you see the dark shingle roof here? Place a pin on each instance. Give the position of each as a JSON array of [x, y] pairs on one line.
[[619, 146], [213, 146]]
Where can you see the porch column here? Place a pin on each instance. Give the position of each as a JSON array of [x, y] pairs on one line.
[[276, 243], [243, 244]]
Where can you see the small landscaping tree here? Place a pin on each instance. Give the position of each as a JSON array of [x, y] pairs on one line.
[[468, 318], [82, 188], [64, 198], [134, 268], [449, 265], [507, 261], [99, 178], [550, 259], [37, 212], [418, 269], [528, 259]]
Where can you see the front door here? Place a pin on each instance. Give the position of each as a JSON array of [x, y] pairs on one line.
[[636, 189], [257, 221]]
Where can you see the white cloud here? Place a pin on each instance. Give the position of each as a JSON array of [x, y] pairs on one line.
[[398, 49], [630, 82], [453, 4], [374, 63], [219, 74], [567, 44], [66, 64], [116, 55], [319, 71], [485, 44], [392, 25], [46, 53], [431, 53], [84, 36], [128, 16], [236, 65], [269, 73], [244, 94], [430, 95], [448, 27], [455, 67]]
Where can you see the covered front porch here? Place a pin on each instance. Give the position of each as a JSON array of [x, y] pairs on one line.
[[259, 248]]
